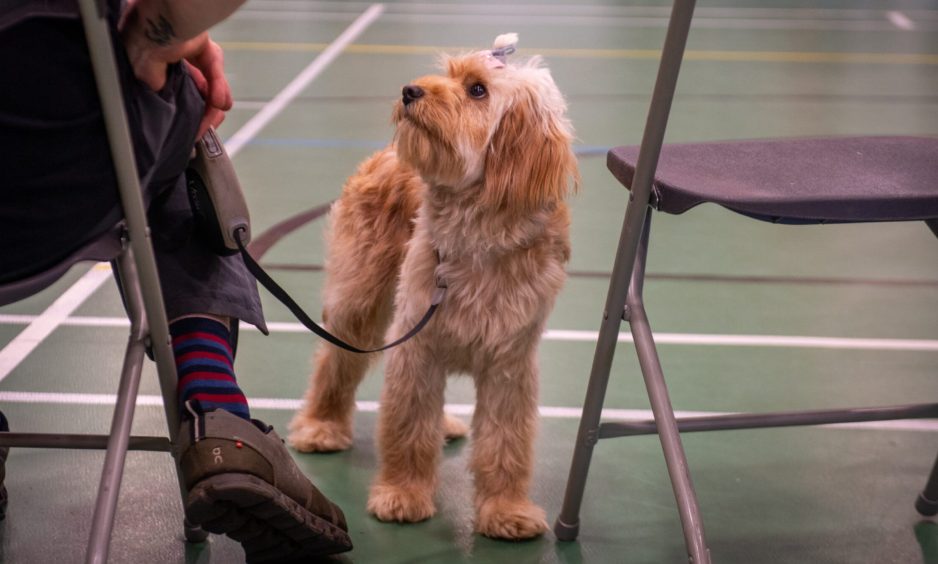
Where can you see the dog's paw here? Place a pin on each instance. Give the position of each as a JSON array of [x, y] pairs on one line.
[[511, 520], [391, 503], [454, 428], [317, 435]]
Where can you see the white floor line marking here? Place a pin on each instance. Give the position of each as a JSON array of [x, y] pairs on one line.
[[900, 20], [759, 341], [42, 325], [689, 339], [302, 80], [73, 398], [16, 319], [547, 412]]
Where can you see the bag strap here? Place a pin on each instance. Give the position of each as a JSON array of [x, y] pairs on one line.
[[301, 315]]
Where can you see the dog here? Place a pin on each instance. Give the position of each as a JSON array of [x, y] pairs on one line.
[[472, 191]]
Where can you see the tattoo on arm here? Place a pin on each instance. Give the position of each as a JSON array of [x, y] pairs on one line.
[[160, 32]]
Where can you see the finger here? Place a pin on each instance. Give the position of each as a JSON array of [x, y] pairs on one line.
[[154, 77], [214, 67], [199, 79], [219, 119], [213, 117], [221, 94], [149, 70], [203, 128]]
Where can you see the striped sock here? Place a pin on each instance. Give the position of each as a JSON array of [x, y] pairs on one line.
[[205, 365]]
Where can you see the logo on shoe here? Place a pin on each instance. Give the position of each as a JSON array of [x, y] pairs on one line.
[[216, 452]]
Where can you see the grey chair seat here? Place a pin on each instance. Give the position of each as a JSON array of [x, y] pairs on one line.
[[808, 180], [104, 248]]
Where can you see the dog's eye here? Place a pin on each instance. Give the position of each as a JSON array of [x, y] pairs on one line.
[[477, 90]]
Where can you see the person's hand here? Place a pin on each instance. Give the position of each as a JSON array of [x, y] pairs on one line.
[[206, 66], [202, 56]]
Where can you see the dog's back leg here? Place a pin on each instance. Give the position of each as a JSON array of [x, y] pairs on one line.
[[324, 422], [370, 226]]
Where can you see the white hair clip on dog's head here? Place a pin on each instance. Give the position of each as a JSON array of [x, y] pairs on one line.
[[503, 46]]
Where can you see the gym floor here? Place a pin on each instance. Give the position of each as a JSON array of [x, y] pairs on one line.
[[861, 300]]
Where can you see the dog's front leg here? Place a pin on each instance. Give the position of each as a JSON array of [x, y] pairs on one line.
[[410, 434], [503, 428]]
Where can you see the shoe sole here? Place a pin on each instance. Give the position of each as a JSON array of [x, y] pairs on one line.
[[269, 525]]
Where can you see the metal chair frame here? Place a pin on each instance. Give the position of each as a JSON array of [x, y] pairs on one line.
[[624, 302], [135, 266]]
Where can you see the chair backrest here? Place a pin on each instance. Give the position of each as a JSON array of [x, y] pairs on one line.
[[104, 248]]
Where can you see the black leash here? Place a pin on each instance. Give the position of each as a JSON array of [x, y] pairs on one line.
[[297, 311]]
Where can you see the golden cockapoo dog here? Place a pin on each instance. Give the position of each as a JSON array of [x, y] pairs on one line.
[[472, 192]]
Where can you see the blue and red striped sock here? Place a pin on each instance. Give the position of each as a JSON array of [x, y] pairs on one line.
[[205, 365]]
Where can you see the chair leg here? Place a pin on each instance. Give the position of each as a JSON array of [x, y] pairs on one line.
[[98, 36], [567, 525], [633, 229], [113, 471], [665, 420], [927, 502]]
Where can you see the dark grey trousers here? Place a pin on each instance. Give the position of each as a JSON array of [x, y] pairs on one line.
[[57, 184]]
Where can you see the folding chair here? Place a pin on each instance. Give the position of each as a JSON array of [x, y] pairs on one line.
[[129, 249], [798, 181]]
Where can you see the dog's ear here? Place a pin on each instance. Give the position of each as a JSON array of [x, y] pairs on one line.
[[530, 161]]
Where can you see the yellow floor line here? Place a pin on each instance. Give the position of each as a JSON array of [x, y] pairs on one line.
[[691, 55]]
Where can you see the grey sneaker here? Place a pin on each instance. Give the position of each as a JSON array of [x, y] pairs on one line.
[[242, 482]]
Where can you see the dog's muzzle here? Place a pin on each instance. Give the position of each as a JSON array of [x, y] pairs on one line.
[[411, 93]]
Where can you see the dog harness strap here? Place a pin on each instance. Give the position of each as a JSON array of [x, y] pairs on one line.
[[301, 315]]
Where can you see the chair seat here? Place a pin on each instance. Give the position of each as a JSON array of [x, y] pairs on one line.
[[809, 180], [104, 248]]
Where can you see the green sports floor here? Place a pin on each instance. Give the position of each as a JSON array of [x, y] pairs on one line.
[[862, 299]]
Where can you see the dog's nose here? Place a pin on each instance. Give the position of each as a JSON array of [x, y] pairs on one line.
[[411, 93]]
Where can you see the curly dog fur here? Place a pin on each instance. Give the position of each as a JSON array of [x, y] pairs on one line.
[[472, 190]]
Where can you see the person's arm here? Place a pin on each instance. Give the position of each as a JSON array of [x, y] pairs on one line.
[[157, 33], [164, 22]]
